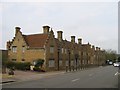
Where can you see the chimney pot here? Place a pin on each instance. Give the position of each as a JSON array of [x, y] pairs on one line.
[[73, 39], [17, 29], [93, 46], [80, 41], [46, 29], [97, 48], [59, 35]]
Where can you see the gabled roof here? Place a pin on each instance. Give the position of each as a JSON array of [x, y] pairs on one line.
[[36, 40]]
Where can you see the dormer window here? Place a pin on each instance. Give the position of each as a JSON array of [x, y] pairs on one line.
[[14, 49]]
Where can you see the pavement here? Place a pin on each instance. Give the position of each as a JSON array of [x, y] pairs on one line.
[[99, 77], [26, 76]]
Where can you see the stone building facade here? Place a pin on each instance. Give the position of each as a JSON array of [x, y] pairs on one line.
[[56, 52]]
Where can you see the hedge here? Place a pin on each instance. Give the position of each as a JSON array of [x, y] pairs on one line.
[[18, 65]]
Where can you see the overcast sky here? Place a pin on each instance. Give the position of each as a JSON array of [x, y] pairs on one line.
[[94, 22]]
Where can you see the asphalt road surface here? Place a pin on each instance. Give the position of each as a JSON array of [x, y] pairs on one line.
[[99, 77]]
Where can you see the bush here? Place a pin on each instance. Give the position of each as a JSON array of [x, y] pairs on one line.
[[39, 63], [22, 66], [10, 64], [18, 65]]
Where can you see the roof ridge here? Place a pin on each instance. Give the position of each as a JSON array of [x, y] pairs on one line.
[[35, 34]]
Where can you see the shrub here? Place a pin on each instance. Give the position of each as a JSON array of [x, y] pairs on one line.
[[10, 64], [18, 65], [22, 66], [39, 63]]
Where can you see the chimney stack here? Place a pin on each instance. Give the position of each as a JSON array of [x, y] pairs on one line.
[[73, 39], [93, 46], [59, 35], [99, 49], [79, 40], [17, 29], [96, 48], [46, 29]]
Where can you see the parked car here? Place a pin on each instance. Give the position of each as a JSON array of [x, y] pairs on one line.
[[110, 62], [116, 64]]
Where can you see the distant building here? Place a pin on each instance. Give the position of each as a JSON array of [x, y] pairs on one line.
[[56, 52]]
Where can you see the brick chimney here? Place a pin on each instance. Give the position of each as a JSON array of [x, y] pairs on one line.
[[46, 29], [73, 39], [59, 36], [79, 40]]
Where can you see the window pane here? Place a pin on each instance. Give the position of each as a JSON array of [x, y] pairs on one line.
[[13, 60], [67, 63], [14, 48], [51, 49], [23, 49], [51, 63], [60, 62], [72, 63]]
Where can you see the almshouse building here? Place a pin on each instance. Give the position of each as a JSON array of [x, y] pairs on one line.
[[56, 52]]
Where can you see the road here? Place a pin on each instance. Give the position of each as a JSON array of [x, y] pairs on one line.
[[99, 77]]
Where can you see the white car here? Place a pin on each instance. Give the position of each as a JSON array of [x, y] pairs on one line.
[[110, 63], [116, 64]]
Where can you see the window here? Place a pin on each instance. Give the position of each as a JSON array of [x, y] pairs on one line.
[[72, 63], [60, 62], [71, 51], [65, 51], [51, 63], [14, 48], [51, 49], [23, 49], [23, 60], [13, 60], [66, 62]]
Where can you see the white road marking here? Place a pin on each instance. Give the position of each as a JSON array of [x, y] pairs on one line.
[[116, 73], [75, 79]]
